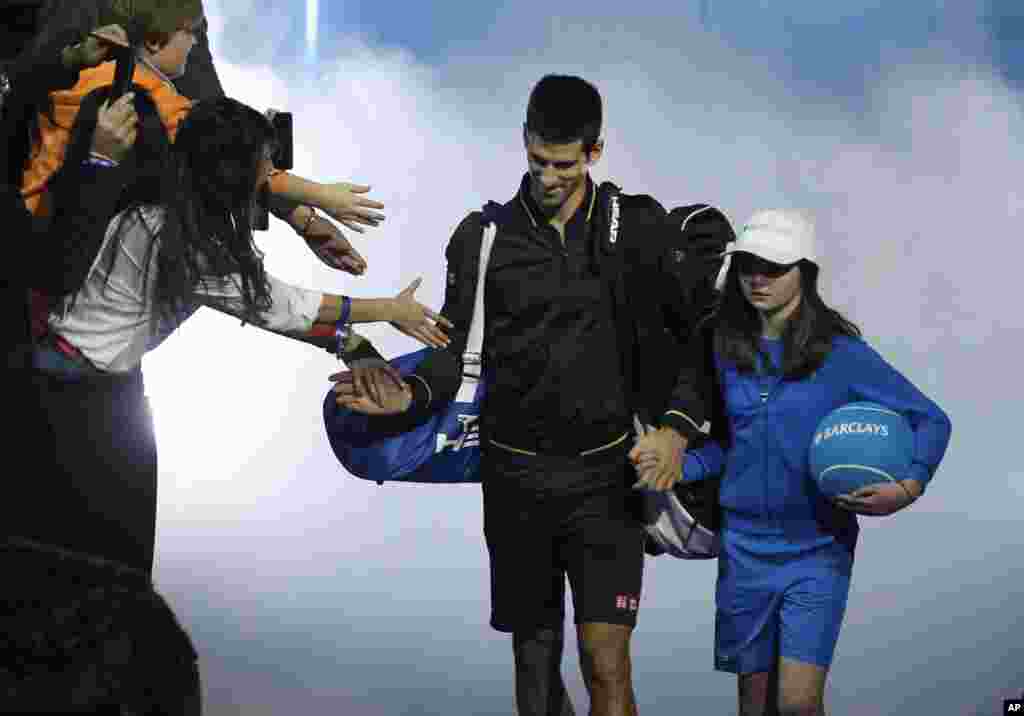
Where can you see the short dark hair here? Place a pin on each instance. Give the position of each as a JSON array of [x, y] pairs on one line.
[[565, 109]]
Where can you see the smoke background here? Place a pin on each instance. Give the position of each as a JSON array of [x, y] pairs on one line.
[[898, 126]]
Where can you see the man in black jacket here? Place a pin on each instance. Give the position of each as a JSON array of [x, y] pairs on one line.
[[557, 422]]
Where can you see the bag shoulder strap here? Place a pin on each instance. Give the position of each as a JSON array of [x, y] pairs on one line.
[[612, 267], [475, 342], [472, 360]]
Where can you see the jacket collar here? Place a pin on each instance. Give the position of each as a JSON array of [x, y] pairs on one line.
[[142, 60], [533, 212]]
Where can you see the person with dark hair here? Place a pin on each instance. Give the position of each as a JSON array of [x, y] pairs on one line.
[[557, 419], [548, 114], [182, 241], [83, 634], [779, 360], [41, 21], [169, 31]]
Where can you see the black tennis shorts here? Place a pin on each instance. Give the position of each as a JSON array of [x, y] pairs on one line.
[[546, 518]]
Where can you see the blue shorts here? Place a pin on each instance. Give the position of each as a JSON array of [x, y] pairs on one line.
[[776, 599]]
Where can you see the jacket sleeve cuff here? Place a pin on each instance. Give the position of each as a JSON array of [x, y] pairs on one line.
[[694, 468], [421, 393], [682, 424], [358, 348], [919, 472]]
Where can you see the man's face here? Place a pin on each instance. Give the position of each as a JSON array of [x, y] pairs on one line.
[[556, 170], [172, 57]]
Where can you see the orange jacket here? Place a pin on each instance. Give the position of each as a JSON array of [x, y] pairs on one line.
[[48, 154]]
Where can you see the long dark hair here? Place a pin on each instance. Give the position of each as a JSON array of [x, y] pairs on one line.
[[206, 183], [807, 337]]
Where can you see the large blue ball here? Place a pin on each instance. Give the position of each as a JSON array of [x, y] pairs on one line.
[[860, 444]]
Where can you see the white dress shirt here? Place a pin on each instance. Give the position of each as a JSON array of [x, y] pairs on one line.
[[110, 322]]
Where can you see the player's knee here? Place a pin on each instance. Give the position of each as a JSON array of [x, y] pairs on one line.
[[544, 638], [608, 667], [607, 656], [538, 651]]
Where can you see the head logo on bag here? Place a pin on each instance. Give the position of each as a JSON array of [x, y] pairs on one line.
[[467, 435], [613, 222]]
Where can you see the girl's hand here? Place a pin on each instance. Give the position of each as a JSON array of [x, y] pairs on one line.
[[417, 321], [330, 246], [883, 498], [658, 459], [346, 205]]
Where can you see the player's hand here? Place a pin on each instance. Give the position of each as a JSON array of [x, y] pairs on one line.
[[346, 204], [417, 321], [116, 128], [883, 498], [371, 377], [330, 246], [658, 459]]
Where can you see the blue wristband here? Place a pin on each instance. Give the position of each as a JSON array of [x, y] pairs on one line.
[[99, 162], [341, 328]]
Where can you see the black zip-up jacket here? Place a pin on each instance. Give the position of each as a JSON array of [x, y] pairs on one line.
[[550, 344], [561, 378]]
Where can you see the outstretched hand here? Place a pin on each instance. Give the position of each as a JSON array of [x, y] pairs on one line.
[[330, 246], [346, 205], [419, 322]]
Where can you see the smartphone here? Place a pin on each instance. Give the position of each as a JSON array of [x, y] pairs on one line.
[[283, 160], [124, 69], [284, 156]]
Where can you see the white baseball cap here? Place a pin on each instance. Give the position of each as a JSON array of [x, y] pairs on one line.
[[782, 236]]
